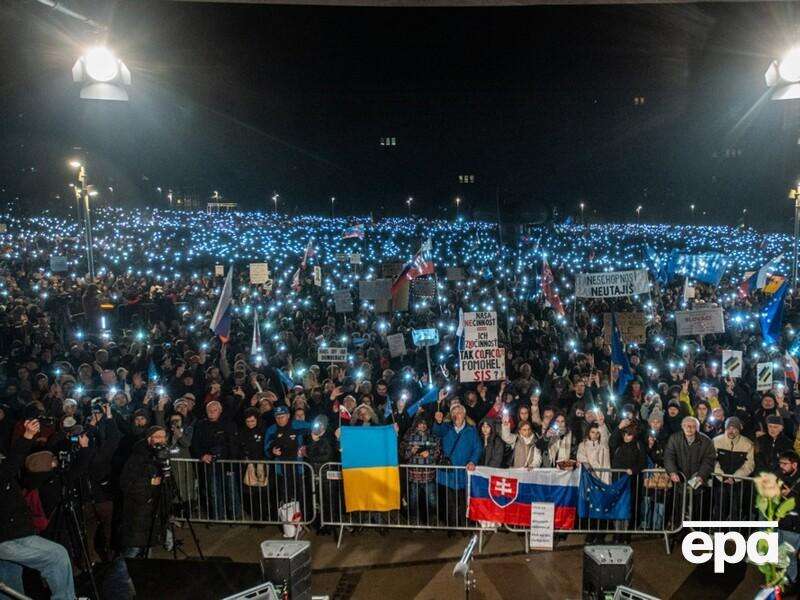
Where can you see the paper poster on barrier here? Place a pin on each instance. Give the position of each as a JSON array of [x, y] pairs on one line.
[[332, 355], [732, 363], [700, 321], [631, 325], [542, 525], [614, 284], [764, 376], [397, 344]]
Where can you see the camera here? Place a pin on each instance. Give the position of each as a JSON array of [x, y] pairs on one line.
[[161, 454]]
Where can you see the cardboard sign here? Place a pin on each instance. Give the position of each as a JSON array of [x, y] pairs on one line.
[[397, 344], [764, 376], [343, 301], [342, 257], [318, 276], [480, 330], [259, 273], [455, 274], [542, 525], [631, 325], [392, 269], [423, 288], [614, 284], [700, 321], [375, 289], [332, 355], [58, 264], [355, 259], [219, 270], [425, 337], [732, 363], [482, 364]]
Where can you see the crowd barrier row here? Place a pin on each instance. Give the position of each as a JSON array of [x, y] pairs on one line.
[[294, 493]]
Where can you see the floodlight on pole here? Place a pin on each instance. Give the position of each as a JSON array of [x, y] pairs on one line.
[[783, 76], [102, 75]]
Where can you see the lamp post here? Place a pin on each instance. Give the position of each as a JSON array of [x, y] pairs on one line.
[[333, 201], [583, 218], [691, 207], [794, 194], [458, 204], [275, 201], [408, 203], [83, 194], [638, 213]]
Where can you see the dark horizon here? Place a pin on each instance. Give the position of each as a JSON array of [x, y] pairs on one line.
[[538, 103]]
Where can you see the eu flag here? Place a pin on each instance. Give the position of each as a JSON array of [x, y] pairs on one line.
[[772, 316], [600, 500], [618, 357]]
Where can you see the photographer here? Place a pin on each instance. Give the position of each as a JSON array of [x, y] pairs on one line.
[[143, 524], [19, 547]]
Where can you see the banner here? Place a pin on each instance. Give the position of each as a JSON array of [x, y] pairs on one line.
[[764, 376], [631, 325], [482, 364], [700, 321], [397, 344], [259, 273], [611, 285], [332, 355], [732, 363], [480, 330]]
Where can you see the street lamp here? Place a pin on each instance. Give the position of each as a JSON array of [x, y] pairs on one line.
[[83, 193], [583, 206], [458, 204], [275, 201], [794, 194], [408, 202], [333, 213], [638, 213], [783, 76], [691, 207]]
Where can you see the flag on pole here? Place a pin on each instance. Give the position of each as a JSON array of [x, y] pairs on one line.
[[772, 316], [356, 231], [758, 280], [618, 357], [547, 288], [255, 344], [296, 283], [421, 264], [221, 321], [790, 367], [309, 252]]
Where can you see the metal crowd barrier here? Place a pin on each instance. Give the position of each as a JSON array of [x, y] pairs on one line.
[[244, 492], [657, 508], [430, 498], [723, 498]]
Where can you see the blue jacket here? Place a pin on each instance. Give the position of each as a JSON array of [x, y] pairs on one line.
[[460, 448], [295, 429]]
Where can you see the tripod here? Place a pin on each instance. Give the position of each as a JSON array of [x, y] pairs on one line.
[[167, 495], [64, 519]]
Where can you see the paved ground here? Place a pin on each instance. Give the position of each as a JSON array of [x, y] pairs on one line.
[[404, 564]]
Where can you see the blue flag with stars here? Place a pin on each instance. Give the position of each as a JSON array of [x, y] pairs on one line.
[[600, 500], [772, 316]]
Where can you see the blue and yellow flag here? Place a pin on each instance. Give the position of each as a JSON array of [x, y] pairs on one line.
[[369, 468]]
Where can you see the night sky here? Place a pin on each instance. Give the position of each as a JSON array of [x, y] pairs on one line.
[[536, 102]]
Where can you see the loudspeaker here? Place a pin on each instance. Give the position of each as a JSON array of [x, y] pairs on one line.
[[288, 563], [605, 568]]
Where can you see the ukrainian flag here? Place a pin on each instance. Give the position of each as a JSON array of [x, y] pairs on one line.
[[369, 468]]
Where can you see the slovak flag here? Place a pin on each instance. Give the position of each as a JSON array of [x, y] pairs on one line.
[[221, 321], [505, 495], [790, 368], [356, 231], [420, 265], [547, 288], [309, 252]]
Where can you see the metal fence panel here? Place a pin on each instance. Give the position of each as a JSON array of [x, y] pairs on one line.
[[245, 492]]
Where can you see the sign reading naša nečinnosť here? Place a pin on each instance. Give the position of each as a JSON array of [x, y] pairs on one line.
[[611, 285]]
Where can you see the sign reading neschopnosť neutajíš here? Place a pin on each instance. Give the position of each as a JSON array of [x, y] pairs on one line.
[[611, 285]]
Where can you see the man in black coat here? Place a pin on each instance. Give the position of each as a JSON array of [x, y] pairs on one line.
[[770, 445], [143, 519], [19, 546]]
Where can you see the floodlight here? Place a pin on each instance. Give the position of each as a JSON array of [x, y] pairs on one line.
[[103, 76]]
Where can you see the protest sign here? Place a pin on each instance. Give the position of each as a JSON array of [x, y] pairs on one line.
[[392, 269], [425, 337], [355, 259], [375, 289], [542, 525], [732, 363], [318, 276], [219, 270], [482, 364], [700, 321], [631, 325], [397, 344], [259, 273], [455, 274], [343, 301], [58, 264], [611, 285], [480, 330], [332, 355], [764, 376], [383, 305], [342, 257], [423, 288]]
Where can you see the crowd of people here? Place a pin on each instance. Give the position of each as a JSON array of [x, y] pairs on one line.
[[106, 380]]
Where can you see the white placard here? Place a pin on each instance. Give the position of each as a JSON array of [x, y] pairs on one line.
[[611, 285], [700, 321], [397, 344], [332, 355], [542, 525], [343, 301], [480, 330], [318, 276], [482, 364], [58, 264], [219, 270], [764, 376], [355, 259], [732, 363], [259, 273]]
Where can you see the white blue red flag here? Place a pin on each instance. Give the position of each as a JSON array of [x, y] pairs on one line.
[[505, 495], [356, 231], [221, 321]]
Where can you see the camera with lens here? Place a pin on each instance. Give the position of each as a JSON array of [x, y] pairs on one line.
[[161, 454]]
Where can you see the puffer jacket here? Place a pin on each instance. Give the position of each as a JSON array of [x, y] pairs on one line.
[[734, 456], [141, 500]]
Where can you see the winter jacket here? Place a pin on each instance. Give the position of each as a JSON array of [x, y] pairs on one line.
[[493, 450], [767, 451], [15, 516], [414, 443], [141, 500], [460, 448], [526, 455], [698, 458], [734, 456], [597, 456]]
